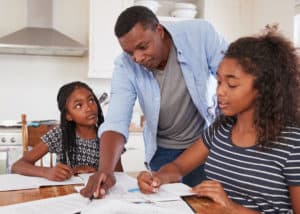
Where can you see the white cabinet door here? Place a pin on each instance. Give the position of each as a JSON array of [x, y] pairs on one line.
[[133, 158], [104, 47]]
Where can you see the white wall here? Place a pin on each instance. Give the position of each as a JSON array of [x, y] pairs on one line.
[[29, 84], [236, 18], [270, 11], [297, 24], [224, 15]]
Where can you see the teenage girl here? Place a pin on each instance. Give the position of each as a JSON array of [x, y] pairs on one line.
[[252, 152], [75, 141]]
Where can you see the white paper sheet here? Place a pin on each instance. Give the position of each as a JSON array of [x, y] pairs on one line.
[[113, 206], [85, 177], [125, 183], [61, 205], [18, 182], [74, 203], [177, 189]]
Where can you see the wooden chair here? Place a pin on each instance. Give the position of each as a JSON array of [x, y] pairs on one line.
[[31, 136]]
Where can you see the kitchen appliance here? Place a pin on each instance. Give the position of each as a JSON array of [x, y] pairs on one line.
[[39, 37], [10, 145]]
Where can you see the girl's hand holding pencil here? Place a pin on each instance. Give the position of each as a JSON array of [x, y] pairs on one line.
[[60, 172]]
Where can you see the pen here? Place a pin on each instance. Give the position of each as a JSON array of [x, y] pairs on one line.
[[147, 165], [91, 198]]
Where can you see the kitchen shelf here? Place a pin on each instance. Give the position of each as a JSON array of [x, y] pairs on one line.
[[170, 18]]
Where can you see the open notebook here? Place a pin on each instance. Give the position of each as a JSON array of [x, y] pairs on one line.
[[10, 182]]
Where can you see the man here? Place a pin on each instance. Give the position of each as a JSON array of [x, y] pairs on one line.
[[170, 68]]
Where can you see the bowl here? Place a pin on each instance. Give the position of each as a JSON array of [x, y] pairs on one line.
[[181, 5], [184, 13], [151, 4]]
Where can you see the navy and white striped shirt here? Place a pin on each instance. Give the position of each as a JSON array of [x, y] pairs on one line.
[[255, 178]]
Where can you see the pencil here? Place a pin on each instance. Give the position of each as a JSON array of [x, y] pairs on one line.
[[147, 165], [91, 198]]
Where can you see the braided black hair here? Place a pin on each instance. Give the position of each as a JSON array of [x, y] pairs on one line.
[[68, 127]]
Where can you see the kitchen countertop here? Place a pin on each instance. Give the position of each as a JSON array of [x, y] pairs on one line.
[[133, 128]]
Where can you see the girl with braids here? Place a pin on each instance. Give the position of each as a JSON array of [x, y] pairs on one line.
[[252, 151], [75, 141]]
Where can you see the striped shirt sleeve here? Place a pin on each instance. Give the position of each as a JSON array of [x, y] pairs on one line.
[[291, 169], [208, 135]]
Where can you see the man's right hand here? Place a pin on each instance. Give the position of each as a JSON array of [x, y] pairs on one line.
[[98, 185]]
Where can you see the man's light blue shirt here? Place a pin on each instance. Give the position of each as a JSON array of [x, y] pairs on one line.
[[199, 51]]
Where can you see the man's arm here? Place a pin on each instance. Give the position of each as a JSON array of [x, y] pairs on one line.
[[111, 147]]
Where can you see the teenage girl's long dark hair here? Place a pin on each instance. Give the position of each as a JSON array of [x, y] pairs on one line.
[[272, 60], [68, 127]]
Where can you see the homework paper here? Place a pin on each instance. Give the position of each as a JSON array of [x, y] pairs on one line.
[[17, 182], [179, 189], [167, 192], [69, 204], [85, 177], [125, 183], [112, 206], [74, 203]]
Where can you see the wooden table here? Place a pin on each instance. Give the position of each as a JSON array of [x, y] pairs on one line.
[[18, 196], [205, 205]]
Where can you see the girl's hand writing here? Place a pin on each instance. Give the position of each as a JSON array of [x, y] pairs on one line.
[[60, 172], [148, 184], [213, 190]]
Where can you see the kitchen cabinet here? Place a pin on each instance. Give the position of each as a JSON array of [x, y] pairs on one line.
[[103, 45], [133, 158]]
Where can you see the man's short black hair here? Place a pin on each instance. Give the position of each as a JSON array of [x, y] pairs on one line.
[[133, 15]]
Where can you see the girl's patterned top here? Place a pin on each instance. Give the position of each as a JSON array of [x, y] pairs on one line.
[[86, 151]]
